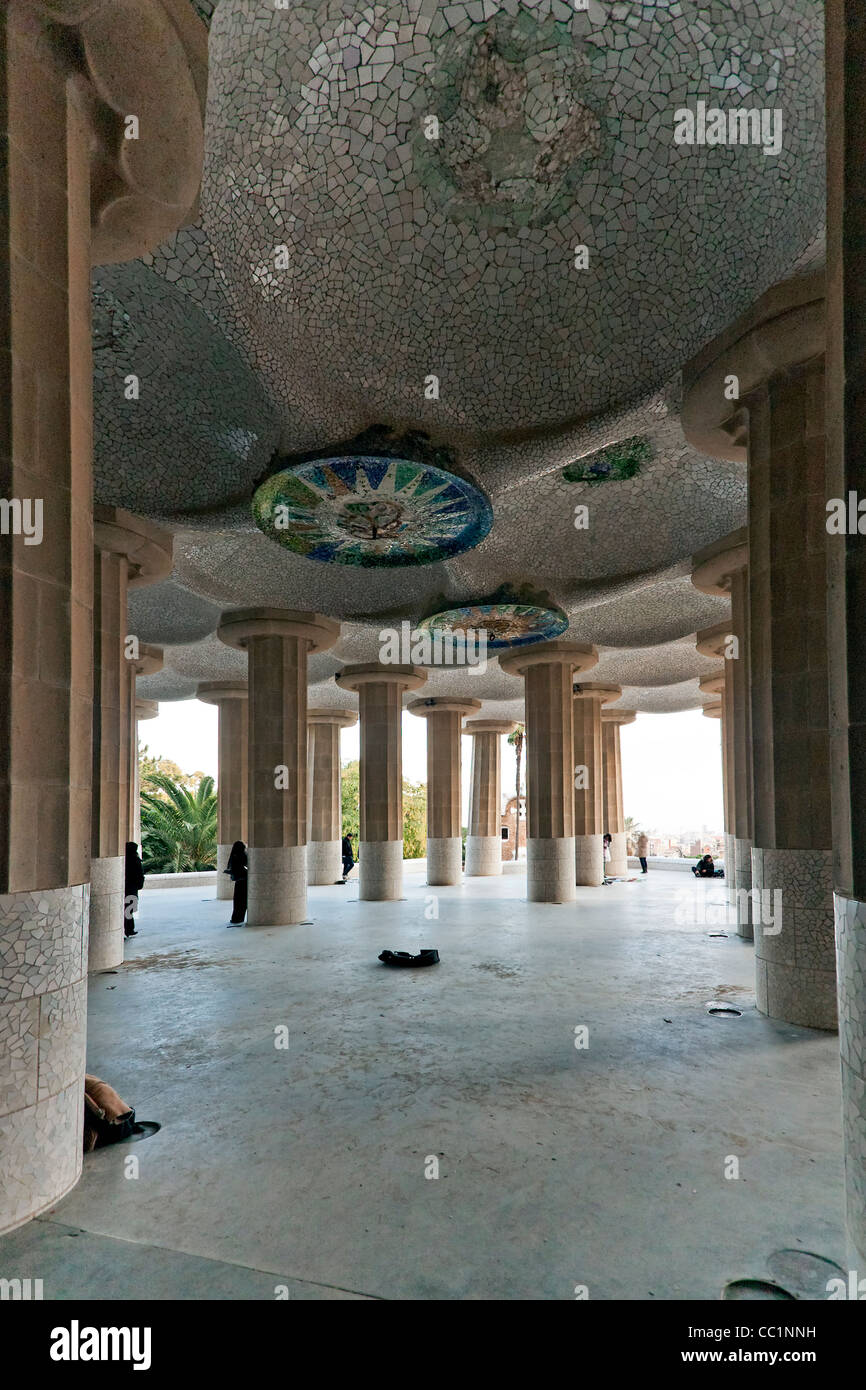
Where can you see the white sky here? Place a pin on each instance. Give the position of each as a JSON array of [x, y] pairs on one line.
[[672, 770]]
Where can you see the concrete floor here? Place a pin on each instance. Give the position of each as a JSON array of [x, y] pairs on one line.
[[305, 1167]]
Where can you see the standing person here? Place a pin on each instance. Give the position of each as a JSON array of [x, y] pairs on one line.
[[133, 882], [237, 869], [642, 850], [606, 844], [348, 857]]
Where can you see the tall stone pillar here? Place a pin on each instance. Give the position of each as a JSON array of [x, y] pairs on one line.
[[64, 209], [484, 841], [444, 785], [722, 569], [230, 698], [277, 642], [846, 474], [612, 721], [589, 826], [127, 551], [548, 671], [325, 847], [380, 706], [776, 353], [144, 709], [714, 642]]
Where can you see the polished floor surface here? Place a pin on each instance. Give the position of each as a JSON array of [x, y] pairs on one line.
[[301, 1169]]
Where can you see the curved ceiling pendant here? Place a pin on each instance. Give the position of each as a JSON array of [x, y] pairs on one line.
[[382, 499], [506, 624]]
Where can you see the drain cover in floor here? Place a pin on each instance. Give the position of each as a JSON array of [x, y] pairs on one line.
[[807, 1275], [723, 1010], [757, 1290]]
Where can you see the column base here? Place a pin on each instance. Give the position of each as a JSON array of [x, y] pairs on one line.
[[277, 886], [795, 947], [483, 856], [444, 861], [43, 1020], [550, 871], [588, 861], [743, 886], [324, 862], [224, 886], [380, 870], [106, 913], [851, 955], [617, 865]]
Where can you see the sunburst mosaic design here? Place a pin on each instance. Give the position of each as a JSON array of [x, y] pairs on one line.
[[371, 511], [506, 624]]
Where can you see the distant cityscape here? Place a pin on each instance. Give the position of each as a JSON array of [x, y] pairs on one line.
[[688, 844]]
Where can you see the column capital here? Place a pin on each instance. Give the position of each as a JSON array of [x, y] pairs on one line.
[[241, 626], [442, 705], [782, 329], [375, 673], [712, 685], [618, 716], [713, 711], [343, 718], [146, 709], [580, 656], [149, 660], [716, 565], [711, 641], [147, 548], [215, 692], [597, 690], [490, 726]]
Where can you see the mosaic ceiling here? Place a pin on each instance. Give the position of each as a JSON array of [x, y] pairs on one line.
[[471, 220]]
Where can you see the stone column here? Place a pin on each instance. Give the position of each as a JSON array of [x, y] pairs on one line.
[[714, 642], [589, 826], [325, 847], [277, 642], [722, 569], [846, 474], [231, 700], [144, 709], [380, 706], [127, 551], [776, 353], [444, 785], [548, 670], [484, 841], [63, 205], [614, 812]]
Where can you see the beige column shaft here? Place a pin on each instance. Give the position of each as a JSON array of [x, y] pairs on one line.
[[277, 642], [589, 824], [484, 840], [614, 808], [324, 851], [144, 709], [231, 700], [444, 785], [713, 642], [548, 671], [380, 706]]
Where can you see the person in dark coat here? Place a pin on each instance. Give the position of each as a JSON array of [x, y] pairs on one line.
[[348, 857], [133, 882], [237, 869]]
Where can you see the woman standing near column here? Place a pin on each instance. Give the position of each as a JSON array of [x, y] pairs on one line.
[[133, 882], [238, 872]]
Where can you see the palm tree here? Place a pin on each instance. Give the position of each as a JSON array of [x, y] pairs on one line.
[[632, 831], [178, 827], [517, 740]]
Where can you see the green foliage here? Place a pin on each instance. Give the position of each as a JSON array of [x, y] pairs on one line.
[[414, 811], [178, 826], [614, 464], [350, 793]]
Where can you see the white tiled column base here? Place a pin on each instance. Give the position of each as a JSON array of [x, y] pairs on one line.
[[324, 861], [106, 913], [224, 886], [743, 885], [851, 956], [380, 869], [43, 1023], [444, 861], [550, 871], [277, 886], [588, 860], [795, 968], [483, 855], [617, 866]]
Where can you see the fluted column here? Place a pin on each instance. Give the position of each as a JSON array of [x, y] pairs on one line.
[[277, 642], [614, 810], [231, 700], [589, 826], [776, 353], [444, 782], [713, 642], [484, 840], [380, 707], [144, 709], [325, 850], [548, 670]]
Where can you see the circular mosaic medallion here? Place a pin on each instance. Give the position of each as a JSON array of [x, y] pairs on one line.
[[506, 624], [369, 510]]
